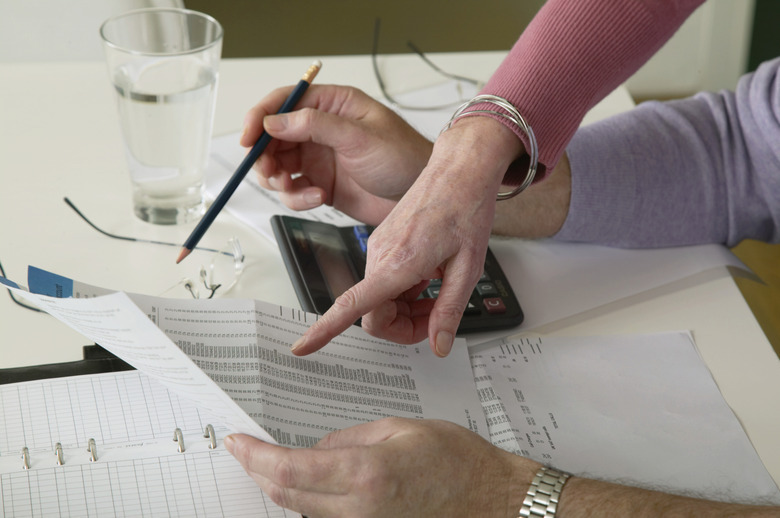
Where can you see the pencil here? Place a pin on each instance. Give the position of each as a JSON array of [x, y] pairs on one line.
[[245, 165]]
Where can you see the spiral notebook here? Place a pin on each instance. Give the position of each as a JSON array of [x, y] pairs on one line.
[[114, 452]]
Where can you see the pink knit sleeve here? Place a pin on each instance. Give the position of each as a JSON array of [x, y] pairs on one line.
[[574, 53]]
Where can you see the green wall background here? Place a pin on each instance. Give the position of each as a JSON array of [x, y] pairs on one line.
[[255, 28], [258, 28]]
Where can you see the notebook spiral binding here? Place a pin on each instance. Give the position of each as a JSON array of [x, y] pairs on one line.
[[178, 437], [58, 453], [92, 449], [25, 458]]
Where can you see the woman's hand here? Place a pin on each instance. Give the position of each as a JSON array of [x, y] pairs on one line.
[[439, 229], [344, 149]]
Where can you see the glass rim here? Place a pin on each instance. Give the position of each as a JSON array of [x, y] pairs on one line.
[[175, 10]]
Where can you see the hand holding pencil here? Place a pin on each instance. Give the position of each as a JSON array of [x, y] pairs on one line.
[[246, 165], [344, 149], [340, 148]]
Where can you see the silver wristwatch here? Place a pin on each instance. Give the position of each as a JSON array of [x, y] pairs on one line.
[[543, 494]]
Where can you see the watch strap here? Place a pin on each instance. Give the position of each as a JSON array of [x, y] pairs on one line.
[[541, 499]]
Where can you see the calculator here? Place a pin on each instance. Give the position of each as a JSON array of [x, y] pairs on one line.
[[325, 260]]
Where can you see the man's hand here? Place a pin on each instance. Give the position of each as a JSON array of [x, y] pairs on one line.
[[392, 467], [339, 148], [409, 467]]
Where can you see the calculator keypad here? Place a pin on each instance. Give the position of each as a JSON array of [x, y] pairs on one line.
[[484, 297]]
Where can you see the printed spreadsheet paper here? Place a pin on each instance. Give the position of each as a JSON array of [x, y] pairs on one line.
[[230, 357]]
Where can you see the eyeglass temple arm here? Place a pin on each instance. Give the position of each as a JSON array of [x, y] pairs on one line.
[[125, 238], [70, 204], [433, 65]]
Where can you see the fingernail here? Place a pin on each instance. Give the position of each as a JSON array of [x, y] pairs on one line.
[[298, 344], [229, 443], [274, 182], [443, 343], [275, 122], [313, 198], [245, 129]]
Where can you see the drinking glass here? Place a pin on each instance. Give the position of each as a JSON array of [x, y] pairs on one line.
[[163, 63]]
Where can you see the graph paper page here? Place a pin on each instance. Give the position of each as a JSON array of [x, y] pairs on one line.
[[139, 470]]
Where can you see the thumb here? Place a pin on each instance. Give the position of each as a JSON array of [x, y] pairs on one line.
[[276, 124], [310, 124]]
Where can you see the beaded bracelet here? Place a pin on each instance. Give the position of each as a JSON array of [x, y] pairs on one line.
[[512, 115]]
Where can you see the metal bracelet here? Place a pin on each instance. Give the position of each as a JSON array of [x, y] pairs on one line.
[[542, 497], [512, 115]]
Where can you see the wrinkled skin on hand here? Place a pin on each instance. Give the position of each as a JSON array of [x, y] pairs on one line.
[[344, 149], [439, 229], [389, 468]]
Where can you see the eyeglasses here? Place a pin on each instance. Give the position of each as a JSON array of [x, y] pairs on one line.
[[221, 273], [459, 86]]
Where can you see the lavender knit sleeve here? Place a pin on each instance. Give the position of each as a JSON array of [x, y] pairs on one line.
[[700, 170]]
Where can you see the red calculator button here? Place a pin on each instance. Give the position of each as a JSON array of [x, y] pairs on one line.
[[494, 305]]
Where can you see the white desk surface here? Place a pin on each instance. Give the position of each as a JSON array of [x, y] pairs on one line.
[[59, 137]]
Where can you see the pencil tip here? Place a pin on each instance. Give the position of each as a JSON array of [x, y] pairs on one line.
[[184, 253]]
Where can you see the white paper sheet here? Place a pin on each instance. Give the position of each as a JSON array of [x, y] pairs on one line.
[[244, 346], [639, 409], [554, 280]]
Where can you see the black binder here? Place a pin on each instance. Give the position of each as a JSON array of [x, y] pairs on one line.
[[96, 360]]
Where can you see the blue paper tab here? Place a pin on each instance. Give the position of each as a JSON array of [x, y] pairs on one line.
[[47, 283]]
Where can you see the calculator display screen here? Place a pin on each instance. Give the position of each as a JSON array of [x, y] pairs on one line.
[[331, 256]]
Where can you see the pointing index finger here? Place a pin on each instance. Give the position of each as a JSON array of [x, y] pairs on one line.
[[348, 308]]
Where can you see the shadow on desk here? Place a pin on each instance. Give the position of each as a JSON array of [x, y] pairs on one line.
[[96, 360]]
